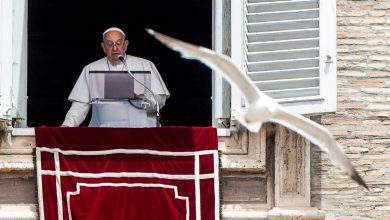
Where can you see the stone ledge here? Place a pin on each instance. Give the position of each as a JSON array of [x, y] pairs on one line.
[[18, 212], [23, 138], [12, 163], [26, 132], [16, 151], [17, 160], [304, 213], [243, 215], [296, 213]]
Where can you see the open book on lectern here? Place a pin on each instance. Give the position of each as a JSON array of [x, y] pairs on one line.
[[117, 86]]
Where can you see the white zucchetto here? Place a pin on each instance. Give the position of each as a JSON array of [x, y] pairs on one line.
[[114, 29]]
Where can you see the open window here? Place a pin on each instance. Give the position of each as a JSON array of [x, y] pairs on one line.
[[286, 46]]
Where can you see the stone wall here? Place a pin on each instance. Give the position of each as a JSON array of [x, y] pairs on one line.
[[362, 120]]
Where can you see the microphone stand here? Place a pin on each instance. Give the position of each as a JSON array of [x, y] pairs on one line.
[[122, 59]]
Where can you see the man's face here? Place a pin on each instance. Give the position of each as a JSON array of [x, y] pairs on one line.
[[114, 44]]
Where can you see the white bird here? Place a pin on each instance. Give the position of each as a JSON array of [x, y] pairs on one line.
[[262, 108]]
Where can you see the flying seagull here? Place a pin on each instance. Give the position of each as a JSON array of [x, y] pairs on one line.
[[262, 108]]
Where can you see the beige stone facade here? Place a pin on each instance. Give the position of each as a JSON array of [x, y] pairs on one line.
[[362, 120]]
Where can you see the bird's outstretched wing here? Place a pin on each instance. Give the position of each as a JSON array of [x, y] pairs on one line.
[[261, 107], [223, 65], [219, 63], [319, 136]]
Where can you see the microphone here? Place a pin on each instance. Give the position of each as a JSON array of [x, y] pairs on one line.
[[122, 59]]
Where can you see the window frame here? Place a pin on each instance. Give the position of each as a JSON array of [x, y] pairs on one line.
[[6, 55], [326, 101], [13, 62]]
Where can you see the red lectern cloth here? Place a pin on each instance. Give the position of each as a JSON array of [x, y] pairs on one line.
[[127, 173]]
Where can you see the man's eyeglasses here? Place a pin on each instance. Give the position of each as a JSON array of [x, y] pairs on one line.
[[111, 44]]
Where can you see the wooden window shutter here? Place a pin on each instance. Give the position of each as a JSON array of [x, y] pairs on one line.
[[288, 49]]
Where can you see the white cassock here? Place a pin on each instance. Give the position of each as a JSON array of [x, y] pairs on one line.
[[116, 114]]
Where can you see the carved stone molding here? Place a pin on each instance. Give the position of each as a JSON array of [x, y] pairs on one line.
[[292, 169], [243, 150], [5, 134]]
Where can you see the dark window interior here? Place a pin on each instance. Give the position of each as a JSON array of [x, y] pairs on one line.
[[64, 36]]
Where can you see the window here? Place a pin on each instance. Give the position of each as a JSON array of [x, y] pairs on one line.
[[288, 48]]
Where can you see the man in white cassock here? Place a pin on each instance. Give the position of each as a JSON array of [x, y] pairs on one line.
[[120, 113]]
